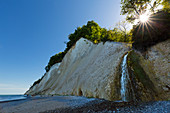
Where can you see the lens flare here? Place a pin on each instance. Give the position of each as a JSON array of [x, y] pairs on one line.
[[144, 17]]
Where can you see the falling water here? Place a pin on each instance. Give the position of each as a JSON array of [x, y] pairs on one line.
[[124, 80]]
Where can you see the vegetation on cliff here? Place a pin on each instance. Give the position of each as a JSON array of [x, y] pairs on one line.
[[143, 34], [141, 83], [93, 32], [153, 25], [152, 32], [133, 9]]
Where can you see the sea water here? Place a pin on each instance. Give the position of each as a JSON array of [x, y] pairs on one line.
[[11, 97]]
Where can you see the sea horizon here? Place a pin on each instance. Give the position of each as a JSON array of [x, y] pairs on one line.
[[10, 97]]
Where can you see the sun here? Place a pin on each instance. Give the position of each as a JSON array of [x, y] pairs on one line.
[[144, 17]]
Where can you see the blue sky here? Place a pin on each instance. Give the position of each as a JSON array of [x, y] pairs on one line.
[[31, 31]]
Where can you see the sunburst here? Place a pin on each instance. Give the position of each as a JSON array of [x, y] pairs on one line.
[[144, 18]]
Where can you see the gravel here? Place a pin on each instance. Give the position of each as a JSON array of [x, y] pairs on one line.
[[104, 106], [75, 104]]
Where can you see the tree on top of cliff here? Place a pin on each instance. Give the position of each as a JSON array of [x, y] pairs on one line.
[[55, 59], [93, 32], [134, 8], [166, 4], [152, 27], [152, 32]]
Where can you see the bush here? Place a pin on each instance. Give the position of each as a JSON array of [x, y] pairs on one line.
[[54, 59], [37, 82], [93, 32]]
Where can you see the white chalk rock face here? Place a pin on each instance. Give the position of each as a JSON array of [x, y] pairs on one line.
[[157, 67], [87, 70]]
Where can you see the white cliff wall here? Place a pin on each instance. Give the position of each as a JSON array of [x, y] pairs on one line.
[[87, 70], [156, 64]]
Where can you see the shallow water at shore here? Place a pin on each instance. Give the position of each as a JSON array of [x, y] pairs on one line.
[[11, 97]]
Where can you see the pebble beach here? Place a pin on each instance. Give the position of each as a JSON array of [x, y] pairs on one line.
[[76, 104]]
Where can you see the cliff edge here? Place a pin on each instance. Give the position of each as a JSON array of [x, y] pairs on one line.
[[88, 69]]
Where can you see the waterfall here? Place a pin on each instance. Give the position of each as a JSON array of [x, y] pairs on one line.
[[125, 81]]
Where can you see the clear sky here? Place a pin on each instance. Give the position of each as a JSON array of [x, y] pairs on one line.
[[31, 31]]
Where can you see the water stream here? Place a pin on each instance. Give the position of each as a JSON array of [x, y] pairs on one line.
[[125, 81]]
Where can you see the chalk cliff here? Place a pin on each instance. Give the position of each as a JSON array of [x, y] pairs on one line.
[[94, 70], [150, 72], [156, 64], [88, 69]]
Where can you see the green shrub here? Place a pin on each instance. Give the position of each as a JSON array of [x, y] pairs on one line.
[[54, 59], [37, 82], [93, 32]]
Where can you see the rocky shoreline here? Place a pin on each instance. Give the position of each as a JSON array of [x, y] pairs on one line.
[[116, 107], [78, 104]]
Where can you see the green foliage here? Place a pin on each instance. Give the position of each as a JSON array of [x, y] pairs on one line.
[[134, 63], [134, 8], [93, 32], [166, 5], [55, 59], [153, 32], [139, 77], [37, 82]]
